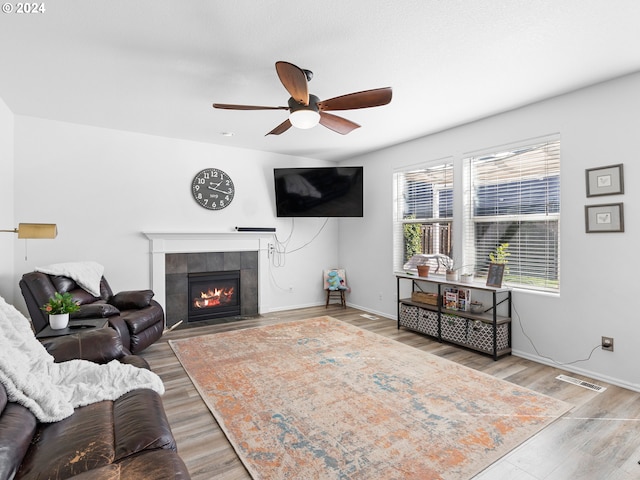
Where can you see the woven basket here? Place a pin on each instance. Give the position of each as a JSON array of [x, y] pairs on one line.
[[422, 297]]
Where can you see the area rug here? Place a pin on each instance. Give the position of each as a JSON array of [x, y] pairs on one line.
[[322, 399]]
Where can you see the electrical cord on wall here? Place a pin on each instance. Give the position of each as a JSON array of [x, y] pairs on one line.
[[279, 253], [536, 349], [280, 250], [312, 238]]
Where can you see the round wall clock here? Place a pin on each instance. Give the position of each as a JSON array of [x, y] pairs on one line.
[[212, 188]]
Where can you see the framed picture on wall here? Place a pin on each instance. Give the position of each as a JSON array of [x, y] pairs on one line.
[[605, 180], [604, 218], [494, 277]]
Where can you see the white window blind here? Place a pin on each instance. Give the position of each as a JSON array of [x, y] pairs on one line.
[[423, 211], [513, 196]]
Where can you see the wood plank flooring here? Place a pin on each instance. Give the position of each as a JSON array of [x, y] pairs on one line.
[[599, 439]]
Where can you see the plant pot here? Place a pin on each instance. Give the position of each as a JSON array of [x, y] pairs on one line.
[[59, 321], [452, 276], [423, 270], [466, 278]]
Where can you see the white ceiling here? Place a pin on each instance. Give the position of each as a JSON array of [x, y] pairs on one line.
[[156, 66]]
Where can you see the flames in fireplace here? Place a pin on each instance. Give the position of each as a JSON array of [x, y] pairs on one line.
[[214, 298], [213, 295]]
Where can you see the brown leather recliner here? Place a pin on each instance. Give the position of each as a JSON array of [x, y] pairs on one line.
[[126, 439], [134, 314]]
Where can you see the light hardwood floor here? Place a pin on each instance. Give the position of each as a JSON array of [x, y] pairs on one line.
[[599, 439]]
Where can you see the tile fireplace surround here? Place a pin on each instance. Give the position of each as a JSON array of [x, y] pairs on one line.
[[171, 253]]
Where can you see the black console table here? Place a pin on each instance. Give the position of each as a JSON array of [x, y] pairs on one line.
[[431, 311]]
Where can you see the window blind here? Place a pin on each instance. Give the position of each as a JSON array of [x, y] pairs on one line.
[[513, 196], [424, 199]]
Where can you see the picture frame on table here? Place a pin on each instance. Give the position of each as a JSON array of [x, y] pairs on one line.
[[605, 218], [607, 180], [495, 274]]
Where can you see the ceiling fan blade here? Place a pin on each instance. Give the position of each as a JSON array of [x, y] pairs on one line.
[[337, 124], [229, 106], [294, 80], [351, 101], [283, 127]]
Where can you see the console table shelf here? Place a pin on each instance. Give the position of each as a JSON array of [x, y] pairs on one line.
[[488, 332]]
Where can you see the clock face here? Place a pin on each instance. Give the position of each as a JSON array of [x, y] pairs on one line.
[[212, 189]]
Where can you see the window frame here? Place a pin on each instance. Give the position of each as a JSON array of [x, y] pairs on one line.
[[534, 279]]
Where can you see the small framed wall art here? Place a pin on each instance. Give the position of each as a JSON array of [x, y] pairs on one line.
[[605, 180], [604, 218]]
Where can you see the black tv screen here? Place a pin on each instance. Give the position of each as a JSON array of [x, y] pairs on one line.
[[319, 192]]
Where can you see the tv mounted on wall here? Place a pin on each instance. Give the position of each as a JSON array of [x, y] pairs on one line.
[[319, 192]]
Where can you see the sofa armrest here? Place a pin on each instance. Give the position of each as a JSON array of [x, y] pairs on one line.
[[99, 346], [136, 361]]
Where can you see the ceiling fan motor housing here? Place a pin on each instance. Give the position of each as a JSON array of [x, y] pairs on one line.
[[304, 116], [313, 104]]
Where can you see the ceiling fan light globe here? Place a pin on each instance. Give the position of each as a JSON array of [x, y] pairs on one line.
[[304, 119]]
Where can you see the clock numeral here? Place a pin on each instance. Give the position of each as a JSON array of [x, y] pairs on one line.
[[201, 181]]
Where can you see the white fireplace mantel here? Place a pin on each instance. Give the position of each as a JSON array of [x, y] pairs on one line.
[[161, 243]]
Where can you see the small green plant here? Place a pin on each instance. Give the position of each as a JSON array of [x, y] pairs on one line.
[[500, 254], [60, 303]]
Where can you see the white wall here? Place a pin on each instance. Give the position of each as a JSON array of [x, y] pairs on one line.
[[105, 187], [598, 126], [7, 240]]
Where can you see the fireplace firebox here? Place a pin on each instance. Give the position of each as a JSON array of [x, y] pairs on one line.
[[213, 295]]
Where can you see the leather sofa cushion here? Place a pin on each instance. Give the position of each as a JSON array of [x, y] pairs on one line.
[[139, 320], [139, 423], [17, 427], [100, 346], [155, 465], [146, 337], [78, 443], [63, 284], [134, 299], [95, 310], [97, 435]]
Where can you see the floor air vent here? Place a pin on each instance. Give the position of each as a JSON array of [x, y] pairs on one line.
[[581, 383]]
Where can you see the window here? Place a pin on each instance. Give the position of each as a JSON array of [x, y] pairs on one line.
[[513, 197], [423, 213]]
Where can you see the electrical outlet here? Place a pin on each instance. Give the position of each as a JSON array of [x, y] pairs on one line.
[[380, 296], [290, 288], [607, 343]]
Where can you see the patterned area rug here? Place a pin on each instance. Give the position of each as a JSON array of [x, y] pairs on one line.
[[322, 399]]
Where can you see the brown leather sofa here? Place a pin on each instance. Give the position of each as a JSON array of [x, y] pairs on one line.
[[126, 439], [134, 314]]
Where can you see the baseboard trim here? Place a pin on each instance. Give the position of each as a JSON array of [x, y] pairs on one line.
[[581, 371]]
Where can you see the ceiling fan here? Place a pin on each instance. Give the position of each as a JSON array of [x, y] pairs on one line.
[[307, 110]]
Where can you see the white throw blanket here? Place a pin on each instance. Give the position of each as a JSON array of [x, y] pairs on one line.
[[52, 390], [85, 274]]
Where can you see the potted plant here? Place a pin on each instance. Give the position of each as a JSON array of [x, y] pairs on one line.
[[59, 307], [466, 277], [451, 272], [423, 268]]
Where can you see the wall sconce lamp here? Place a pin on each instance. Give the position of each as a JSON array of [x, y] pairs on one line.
[[35, 230]]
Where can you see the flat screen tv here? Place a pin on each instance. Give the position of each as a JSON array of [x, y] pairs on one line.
[[319, 192]]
